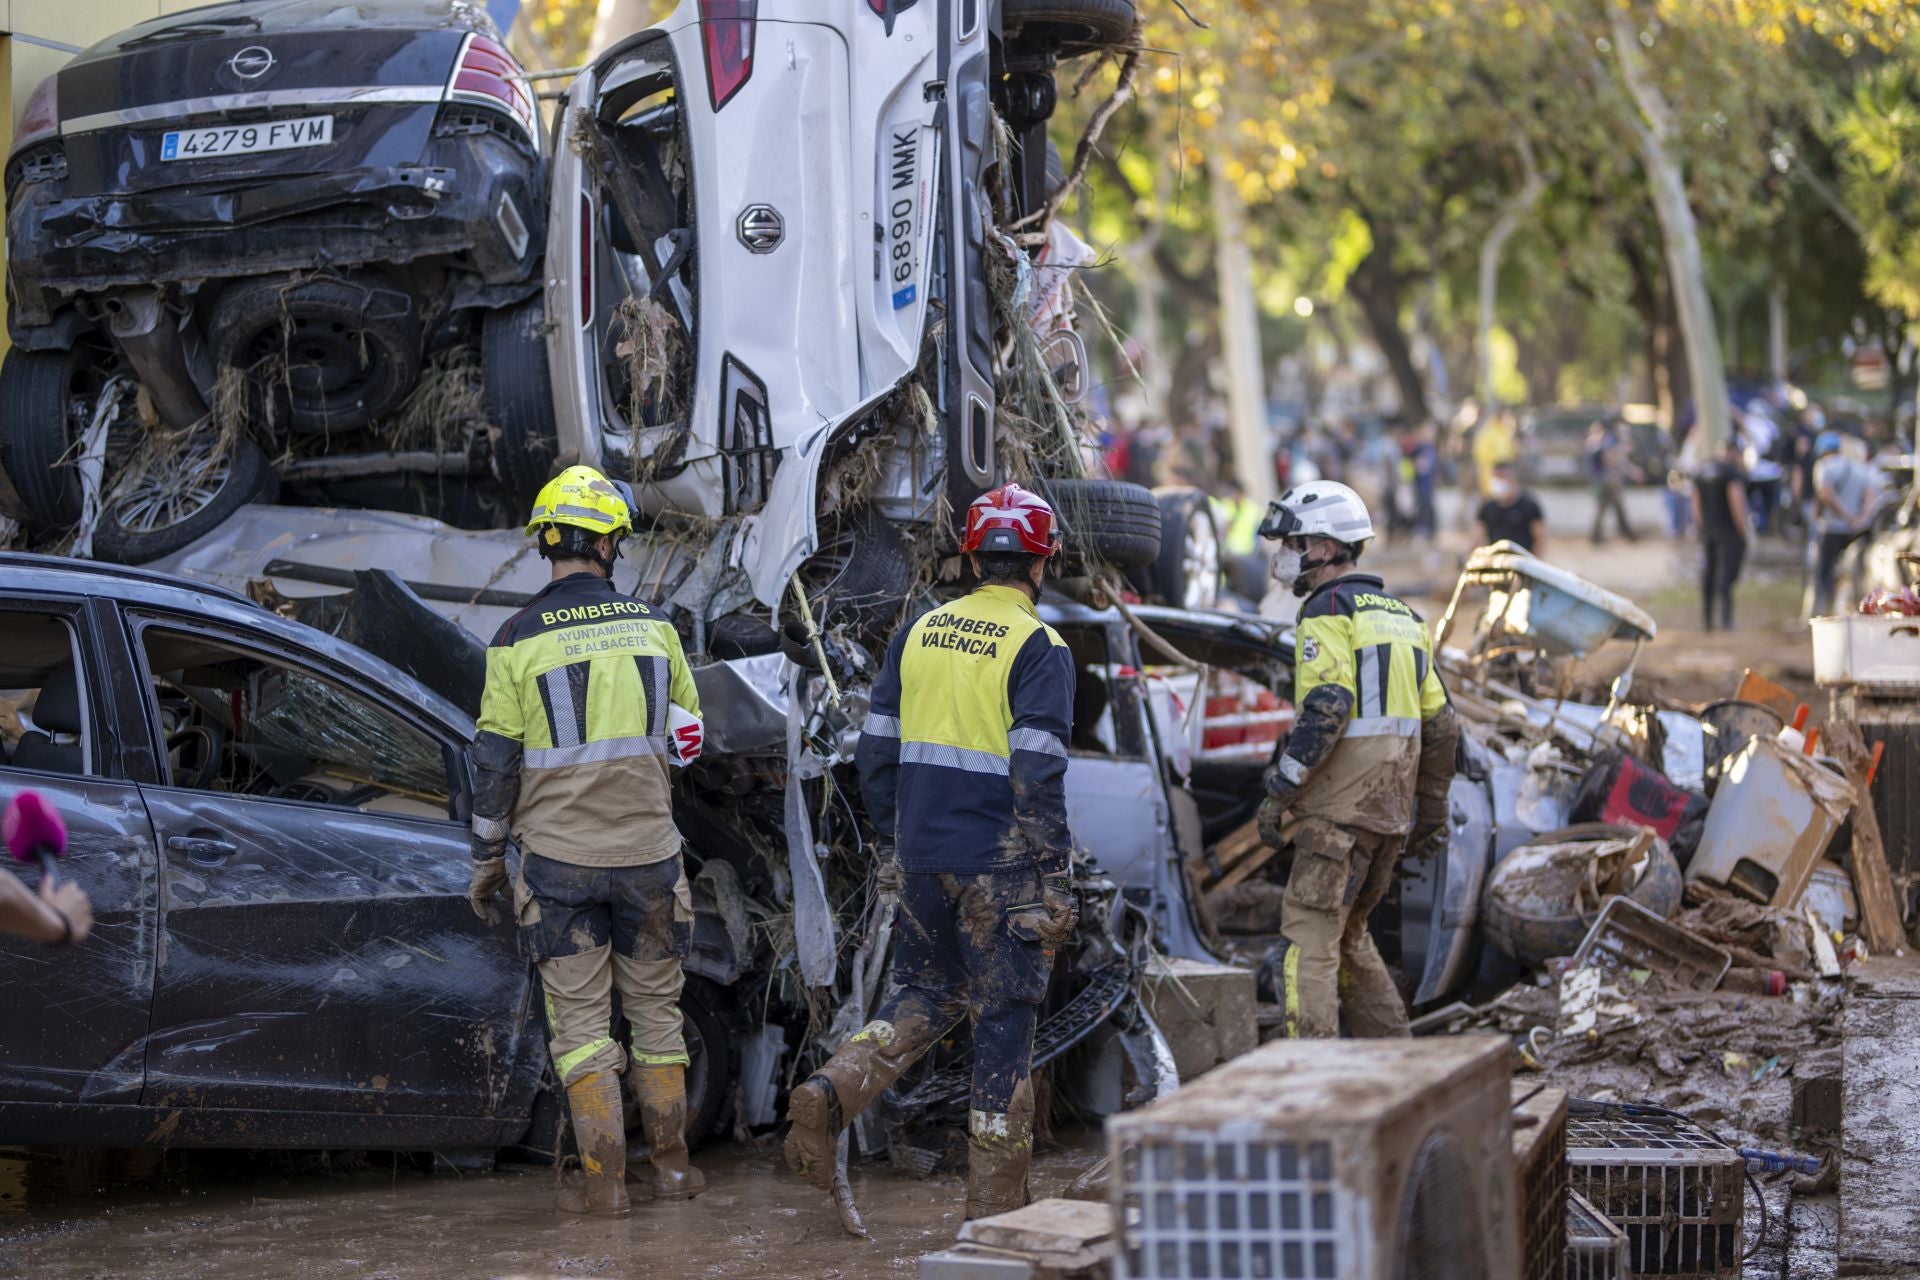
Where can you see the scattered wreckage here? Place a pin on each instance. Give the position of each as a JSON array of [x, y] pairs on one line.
[[272, 246]]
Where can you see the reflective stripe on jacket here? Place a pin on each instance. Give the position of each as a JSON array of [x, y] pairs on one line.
[[571, 753], [1353, 636], [963, 757]]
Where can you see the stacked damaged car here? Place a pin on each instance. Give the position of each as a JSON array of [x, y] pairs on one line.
[[265, 247]]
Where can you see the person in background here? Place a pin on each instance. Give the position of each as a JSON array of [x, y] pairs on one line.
[[1608, 467], [1510, 513], [1765, 475], [1495, 441], [1720, 511], [1846, 497], [1677, 497]]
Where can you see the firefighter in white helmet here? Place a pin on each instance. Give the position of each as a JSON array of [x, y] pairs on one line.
[[1368, 763]]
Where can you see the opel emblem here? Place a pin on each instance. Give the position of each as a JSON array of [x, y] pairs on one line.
[[251, 62], [761, 228]]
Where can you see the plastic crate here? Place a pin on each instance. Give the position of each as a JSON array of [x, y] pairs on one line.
[[1628, 936], [1881, 650], [1676, 1191], [1596, 1248], [1540, 1177], [1323, 1160]]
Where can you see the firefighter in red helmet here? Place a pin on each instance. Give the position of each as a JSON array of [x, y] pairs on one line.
[[963, 762]]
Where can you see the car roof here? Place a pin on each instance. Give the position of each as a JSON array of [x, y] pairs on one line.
[[1247, 628], [27, 573]]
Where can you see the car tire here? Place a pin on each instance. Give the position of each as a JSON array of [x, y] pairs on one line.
[[131, 531], [1113, 522], [352, 349], [713, 1033], [518, 395], [1186, 573], [37, 390], [1069, 23], [876, 574]]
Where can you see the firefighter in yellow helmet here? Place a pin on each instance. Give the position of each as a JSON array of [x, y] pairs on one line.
[[588, 701], [1368, 763]]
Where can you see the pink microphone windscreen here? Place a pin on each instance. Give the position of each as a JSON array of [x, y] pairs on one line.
[[31, 824]]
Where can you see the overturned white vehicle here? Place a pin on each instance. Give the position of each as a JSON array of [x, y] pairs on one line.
[[803, 290]]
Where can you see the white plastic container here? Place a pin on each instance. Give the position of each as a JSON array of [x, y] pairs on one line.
[[1881, 650]]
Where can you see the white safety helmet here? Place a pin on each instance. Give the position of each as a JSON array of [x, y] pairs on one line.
[[1319, 509]]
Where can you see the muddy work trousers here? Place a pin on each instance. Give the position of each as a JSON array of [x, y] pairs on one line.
[[1328, 961], [963, 946], [592, 930]]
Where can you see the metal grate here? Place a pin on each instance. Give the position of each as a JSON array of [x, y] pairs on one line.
[[1596, 1249], [1540, 1177], [1676, 1192], [1202, 1207]]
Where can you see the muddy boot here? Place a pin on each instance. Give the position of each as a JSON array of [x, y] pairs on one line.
[[601, 1187], [663, 1114], [999, 1152], [822, 1104]]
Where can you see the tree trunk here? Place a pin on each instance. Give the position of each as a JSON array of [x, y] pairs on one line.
[[1377, 289], [616, 20], [1240, 337], [1511, 213], [1149, 329], [1686, 267], [1777, 330]]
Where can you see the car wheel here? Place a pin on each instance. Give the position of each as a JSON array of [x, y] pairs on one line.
[[1065, 24], [1186, 574], [321, 355], [875, 573], [519, 398], [162, 503], [713, 1045], [1114, 522], [46, 398]]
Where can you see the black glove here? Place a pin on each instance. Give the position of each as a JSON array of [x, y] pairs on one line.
[[1273, 814], [489, 878], [1430, 843], [1063, 910]]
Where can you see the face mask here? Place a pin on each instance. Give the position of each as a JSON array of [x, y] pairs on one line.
[[1502, 490], [1286, 568]]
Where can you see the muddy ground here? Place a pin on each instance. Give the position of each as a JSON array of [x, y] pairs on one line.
[[212, 1217]]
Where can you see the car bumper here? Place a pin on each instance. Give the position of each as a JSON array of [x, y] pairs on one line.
[[476, 198]]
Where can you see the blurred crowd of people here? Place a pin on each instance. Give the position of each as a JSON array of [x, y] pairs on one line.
[[1788, 471]]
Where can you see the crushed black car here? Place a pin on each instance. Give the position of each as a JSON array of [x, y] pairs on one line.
[[264, 244]]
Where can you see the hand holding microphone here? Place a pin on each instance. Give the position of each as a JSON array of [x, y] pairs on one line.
[[33, 832]]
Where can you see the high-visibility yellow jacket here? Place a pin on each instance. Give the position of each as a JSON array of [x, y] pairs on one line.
[[1372, 719], [571, 756], [963, 757]]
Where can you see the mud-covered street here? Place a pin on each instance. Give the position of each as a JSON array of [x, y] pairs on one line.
[[210, 1217]]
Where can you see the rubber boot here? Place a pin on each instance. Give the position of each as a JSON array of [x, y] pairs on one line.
[[663, 1114], [821, 1105], [601, 1187], [999, 1153]]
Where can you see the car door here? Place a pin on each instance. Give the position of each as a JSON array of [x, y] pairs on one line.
[[317, 950], [75, 1018]]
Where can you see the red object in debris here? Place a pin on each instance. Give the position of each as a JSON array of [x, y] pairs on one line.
[[1243, 721], [1800, 716], [1873, 765], [1904, 602], [1813, 740], [1644, 798]]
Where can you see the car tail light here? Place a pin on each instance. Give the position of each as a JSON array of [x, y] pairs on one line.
[[586, 260], [487, 73], [726, 31], [40, 118]]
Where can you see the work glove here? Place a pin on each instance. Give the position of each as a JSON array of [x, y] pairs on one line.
[[1063, 911], [1273, 816], [489, 878], [1430, 843], [887, 874]]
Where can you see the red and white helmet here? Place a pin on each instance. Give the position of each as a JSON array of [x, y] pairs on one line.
[[1011, 519]]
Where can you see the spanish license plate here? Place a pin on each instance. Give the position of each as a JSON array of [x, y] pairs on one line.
[[240, 139]]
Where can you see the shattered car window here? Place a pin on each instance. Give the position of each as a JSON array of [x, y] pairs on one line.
[[233, 721]]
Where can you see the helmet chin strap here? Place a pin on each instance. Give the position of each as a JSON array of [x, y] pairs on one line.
[[1310, 567]]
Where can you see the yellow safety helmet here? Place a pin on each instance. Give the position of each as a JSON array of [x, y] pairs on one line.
[[583, 499]]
